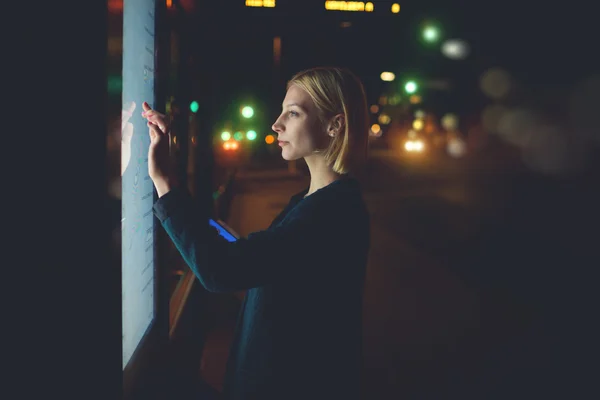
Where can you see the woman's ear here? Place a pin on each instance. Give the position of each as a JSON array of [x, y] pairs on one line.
[[336, 125]]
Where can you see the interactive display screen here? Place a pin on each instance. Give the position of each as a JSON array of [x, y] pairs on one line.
[[137, 219]]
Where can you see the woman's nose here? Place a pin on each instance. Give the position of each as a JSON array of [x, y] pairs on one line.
[[276, 127]]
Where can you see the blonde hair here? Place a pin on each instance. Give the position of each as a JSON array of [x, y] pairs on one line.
[[338, 91]]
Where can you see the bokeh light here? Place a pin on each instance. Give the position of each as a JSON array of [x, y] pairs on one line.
[[384, 119], [376, 130], [387, 76], [455, 49], [495, 83], [431, 34], [517, 125], [456, 147], [547, 151], [410, 87], [247, 112], [418, 124], [450, 122], [251, 135], [414, 99]]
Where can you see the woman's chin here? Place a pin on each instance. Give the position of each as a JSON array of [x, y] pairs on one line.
[[289, 155], [286, 155]]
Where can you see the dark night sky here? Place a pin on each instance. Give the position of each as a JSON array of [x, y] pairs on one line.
[[539, 43]]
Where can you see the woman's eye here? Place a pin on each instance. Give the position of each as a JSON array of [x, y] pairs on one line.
[[293, 113]]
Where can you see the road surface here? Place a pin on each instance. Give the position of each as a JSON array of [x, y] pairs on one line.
[[475, 277]]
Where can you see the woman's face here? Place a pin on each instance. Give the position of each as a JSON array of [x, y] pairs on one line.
[[299, 130]]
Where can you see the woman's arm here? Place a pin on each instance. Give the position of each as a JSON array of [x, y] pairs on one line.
[[223, 266], [261, 258]]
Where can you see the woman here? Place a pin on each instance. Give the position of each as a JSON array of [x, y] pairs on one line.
[[299, 332]]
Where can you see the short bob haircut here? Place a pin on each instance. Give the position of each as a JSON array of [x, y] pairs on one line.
[[338, 91]]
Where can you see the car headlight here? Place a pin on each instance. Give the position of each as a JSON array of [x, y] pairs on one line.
[[414, 145]]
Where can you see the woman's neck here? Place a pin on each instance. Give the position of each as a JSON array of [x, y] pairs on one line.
[[321, 174]]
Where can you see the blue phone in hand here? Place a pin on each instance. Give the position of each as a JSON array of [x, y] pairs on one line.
[[223, 231]]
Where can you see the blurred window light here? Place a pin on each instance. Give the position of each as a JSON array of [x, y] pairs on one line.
[[395, 8], [374, 109], [455, 49], [375, 128], [419, 114], [349, 6], [387, 76], [260, 3]]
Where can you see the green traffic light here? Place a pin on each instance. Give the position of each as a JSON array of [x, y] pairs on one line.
[[410, 87], [431, 34], [251, 135], [247, 112], [194, 106], [225, 136], [238, 136]]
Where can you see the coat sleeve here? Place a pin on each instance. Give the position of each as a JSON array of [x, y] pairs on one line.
[[263, 257]]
